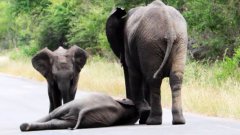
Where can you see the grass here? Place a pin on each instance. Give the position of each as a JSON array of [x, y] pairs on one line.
[[202, 91], [207, 93], [102, 76], [21, 68]]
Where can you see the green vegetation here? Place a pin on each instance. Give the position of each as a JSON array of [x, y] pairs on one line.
[[214, 26], [212, 73]]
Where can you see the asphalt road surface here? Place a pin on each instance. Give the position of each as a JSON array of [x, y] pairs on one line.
[[23, 100]]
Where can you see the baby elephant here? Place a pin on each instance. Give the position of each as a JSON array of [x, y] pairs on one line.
[[61, 69], [92, 110]]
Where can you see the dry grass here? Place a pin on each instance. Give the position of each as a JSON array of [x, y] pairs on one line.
[[210, 101], [19, 68], [202, 93], [102, 76]]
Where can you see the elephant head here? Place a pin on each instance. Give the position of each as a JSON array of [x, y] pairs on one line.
[[61, 69]]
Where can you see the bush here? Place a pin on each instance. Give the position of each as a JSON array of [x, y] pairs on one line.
[[230, 67], [88, 24], [24, 52], [55, 26], [213, 25]]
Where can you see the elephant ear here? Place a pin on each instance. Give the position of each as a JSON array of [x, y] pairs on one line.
[[125, 102], [42, 62], [79, 57], [115, 31]]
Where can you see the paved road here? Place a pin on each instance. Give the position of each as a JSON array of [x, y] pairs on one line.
[[23, 100]]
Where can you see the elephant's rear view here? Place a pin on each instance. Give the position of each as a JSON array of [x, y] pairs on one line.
[[61, 69], [151, 42]]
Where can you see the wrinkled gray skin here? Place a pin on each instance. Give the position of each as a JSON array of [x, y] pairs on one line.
[[92, 110], [61, 69], [151, 42]]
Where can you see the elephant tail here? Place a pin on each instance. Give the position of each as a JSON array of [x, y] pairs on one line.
[[170, 41]]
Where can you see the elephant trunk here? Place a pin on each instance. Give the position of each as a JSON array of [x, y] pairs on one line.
[[64, 87]]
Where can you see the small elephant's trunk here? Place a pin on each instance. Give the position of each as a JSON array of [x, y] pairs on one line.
[[64, 87]]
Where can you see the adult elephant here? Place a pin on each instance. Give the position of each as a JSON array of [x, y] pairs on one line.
[[61, 69], [151, 42]]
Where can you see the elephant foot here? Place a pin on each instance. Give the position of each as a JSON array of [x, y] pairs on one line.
[[144, 111], [25, 127], [144, 116], [70, 128], [154, 120], [177, 120]]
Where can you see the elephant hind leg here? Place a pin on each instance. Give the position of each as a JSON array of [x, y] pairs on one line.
[[45, 119], [176, 83], [56, 113], [155, 117], [175, 79], [25, 127], [52, 124]]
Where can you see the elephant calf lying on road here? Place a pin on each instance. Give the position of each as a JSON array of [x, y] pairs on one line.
[[92, 110]]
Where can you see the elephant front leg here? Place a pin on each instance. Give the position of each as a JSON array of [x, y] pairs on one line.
[[176, 83], [55, 99], [52, 124], [155, 117]]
